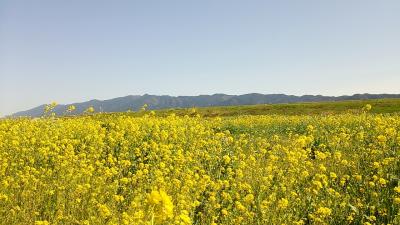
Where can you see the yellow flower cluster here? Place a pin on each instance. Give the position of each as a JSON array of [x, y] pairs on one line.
[[120, 169]]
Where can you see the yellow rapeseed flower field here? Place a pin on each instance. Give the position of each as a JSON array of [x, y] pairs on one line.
[[119, 169]]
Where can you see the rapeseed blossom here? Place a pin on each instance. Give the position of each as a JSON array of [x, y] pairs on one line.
[[121, 169]]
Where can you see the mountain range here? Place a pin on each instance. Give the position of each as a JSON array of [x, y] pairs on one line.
[[135, 102]]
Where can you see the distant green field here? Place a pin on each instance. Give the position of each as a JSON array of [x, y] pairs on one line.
[[308, 108]]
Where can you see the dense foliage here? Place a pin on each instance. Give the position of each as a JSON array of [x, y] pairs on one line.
[[117, 169]]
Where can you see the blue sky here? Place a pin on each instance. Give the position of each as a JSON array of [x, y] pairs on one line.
[[72, 51]]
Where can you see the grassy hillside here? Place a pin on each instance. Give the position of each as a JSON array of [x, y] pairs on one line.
[[312, 108], [154, 102]]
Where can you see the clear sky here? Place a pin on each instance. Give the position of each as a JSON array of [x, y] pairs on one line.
[[77, 50]]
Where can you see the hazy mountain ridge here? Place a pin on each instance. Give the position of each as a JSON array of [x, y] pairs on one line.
[[135, 102]]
